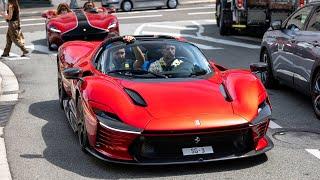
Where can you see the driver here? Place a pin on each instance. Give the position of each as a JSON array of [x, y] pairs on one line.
[[120, 62], [167, 62], [90, 7]]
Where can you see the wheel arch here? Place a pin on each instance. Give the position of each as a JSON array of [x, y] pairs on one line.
[[314, 73]]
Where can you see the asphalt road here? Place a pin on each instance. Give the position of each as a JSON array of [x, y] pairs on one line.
[[40, 144]]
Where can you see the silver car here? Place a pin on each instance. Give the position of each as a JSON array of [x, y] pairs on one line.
[[128, 5]]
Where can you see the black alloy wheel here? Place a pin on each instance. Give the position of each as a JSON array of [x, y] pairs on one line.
[[315, 94], [267, 78], [82, 130], [61, 91]]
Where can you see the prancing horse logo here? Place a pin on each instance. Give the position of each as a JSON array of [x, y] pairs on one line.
[[196, 140], [197, 122]]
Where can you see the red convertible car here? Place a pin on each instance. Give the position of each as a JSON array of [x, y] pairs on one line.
[[79, 25], [158, 100]]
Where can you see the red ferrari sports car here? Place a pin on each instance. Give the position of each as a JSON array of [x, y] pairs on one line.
[[79, 25], [158, 100]]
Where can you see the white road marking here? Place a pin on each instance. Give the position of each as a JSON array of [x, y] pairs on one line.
[[23, 20], [248, 38], [41, 48], [139, 29], [274, 125], [199, 1], [205, 47], [206, 38], [170, 27], [211, 21], [200, 13], [135, 17], [24, 25], [315, 152], [4, 166], [165, 10]]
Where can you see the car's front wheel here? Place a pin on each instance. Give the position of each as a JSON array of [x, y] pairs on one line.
[[82, 130], [268, 79], [61, 91], [172, 4], [315, 94]]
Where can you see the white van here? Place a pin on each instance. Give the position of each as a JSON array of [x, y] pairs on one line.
[[128, 5]]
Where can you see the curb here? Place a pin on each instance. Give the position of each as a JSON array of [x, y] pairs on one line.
[[38, 13], [4, 166], [8, 96]]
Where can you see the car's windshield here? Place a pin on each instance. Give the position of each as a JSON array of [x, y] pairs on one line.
[[153, 59]]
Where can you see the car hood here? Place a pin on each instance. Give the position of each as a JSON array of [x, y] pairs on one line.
[[177, 105], [77, 18]]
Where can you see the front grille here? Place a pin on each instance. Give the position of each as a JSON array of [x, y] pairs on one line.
[[150, 147]]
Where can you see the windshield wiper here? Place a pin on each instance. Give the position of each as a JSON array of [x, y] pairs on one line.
[[137, 72]]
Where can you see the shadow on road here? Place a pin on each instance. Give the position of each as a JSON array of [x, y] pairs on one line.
[[63, 151]]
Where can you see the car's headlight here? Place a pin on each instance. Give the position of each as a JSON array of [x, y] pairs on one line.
[[113, 122], [112, 25], [264, 113], [54, 29]]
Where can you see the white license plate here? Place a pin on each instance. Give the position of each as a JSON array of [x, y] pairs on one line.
[[197, 150]]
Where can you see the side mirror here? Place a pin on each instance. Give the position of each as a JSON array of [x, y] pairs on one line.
[[276, 25], [72, 73], [259, 67]]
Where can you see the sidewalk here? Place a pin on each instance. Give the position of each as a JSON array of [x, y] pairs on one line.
[[27, 12]]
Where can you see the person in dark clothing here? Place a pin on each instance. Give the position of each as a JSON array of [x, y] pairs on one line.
[[14, 33]]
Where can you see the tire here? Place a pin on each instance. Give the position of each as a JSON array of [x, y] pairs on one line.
[[172, 4], [48, 42], [222, 26], [218, 12], [61, 91], [82, 130], [268, 80], [126, 6], [315, 94]]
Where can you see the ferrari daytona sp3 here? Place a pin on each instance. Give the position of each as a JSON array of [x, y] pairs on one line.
[[147, 110]]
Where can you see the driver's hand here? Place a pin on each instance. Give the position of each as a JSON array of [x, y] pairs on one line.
[[129, 39]]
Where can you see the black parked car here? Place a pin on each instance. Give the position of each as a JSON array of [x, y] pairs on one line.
[[292, 51]]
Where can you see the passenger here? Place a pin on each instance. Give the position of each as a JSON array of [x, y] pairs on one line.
[[167, 62], [120, 62], [91, 8], [88, 6], [63, 8]]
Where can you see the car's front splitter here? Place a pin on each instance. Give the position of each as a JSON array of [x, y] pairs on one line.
[[200, 160]]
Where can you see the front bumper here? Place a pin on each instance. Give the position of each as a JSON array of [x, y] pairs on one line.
[[172, 162], [157, 148]]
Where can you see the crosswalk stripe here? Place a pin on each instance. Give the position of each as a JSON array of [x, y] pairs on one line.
[[200, 13], [170, 27]]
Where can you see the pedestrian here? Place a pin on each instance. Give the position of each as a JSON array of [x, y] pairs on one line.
[[14, 33]]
